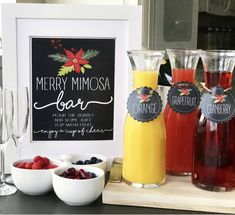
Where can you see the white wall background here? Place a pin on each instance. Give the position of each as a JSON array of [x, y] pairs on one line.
[[28, 149], [95, 2]]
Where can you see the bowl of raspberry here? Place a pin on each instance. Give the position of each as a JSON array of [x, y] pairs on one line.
[[33, 176], [78, 186]]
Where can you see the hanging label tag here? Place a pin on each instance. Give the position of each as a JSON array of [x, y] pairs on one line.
[[144, 104], [219, 105], [183, 97]]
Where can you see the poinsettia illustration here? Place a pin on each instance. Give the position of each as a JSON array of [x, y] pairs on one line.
[[74, 61], [219, 98], [184, 91], [144, 97]]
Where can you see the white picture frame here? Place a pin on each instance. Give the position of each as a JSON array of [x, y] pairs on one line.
[[22, 21]]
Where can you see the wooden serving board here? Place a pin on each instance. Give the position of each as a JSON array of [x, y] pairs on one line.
[[177, 193]]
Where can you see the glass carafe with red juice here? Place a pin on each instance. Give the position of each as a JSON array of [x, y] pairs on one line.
[[214, 148], [180, 127]]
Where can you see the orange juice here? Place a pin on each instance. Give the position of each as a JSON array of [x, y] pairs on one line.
[[144, 142]]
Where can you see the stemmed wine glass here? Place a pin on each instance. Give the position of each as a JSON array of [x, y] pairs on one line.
[[20, 119], [6, 118], [21, 116]]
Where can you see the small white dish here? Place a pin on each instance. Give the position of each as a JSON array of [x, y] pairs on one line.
[[78, 192], [30, 181], [68, 160]]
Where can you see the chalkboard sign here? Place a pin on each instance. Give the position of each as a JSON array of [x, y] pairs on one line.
[[72, 89]]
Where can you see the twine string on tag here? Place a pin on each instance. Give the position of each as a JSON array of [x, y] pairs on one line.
[[209, 91]]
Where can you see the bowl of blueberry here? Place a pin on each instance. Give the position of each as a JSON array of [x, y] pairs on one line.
[[78, 186], [82, 160]]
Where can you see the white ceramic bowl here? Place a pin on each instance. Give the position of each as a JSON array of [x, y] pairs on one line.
[[78, 192], [69, 160], [30, 181]]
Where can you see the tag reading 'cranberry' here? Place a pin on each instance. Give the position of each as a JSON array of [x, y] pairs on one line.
[[219, 105], [144, 104]]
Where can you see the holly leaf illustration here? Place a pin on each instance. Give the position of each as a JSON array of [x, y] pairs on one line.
[[64, 70], [82, 70], [87, 66], [58, 57], [90, 54]]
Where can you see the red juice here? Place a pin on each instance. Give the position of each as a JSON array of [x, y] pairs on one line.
[[180, 131], [222, 79], [214, 155]]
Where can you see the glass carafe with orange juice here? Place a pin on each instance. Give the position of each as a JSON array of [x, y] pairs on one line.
[[181, 111], [144, 133]]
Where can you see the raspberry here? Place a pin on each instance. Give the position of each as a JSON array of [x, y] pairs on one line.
[[51, 166], [37, 158], [40, 162], [29, 165], [17, 165], [36, 166], [21, 165], [46, 161]]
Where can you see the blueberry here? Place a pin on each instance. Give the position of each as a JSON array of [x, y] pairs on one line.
[[99, 161], [86, 162], [79, 162], [93, 175], [87, 175], [93, 160]]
